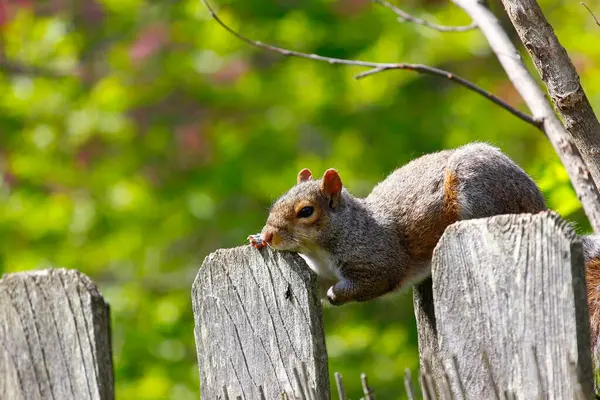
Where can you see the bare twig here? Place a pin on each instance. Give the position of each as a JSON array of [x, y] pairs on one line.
[[591, 13], [404, 16], [367, 391], [408, 385], [16, 68], [340, 386], [535, 99], [380, 67]]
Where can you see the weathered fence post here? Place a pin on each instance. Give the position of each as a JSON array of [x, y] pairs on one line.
[[54, 337], [510, 303], [258, 317], [427, 332]]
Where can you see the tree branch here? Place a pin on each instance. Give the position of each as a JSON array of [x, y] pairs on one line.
[[536, 101], [404, 16], [380, 67], [11, 67], [562, 81], [591, 13]]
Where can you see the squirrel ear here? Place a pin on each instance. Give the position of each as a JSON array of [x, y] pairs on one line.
[[304, 175], [331, 183]]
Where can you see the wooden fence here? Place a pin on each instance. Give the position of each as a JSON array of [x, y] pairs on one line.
[[504, 316]]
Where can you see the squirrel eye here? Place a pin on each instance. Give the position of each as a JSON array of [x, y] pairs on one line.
[[305, 212]]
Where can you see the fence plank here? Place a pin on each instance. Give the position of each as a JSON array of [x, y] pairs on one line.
[[509, 298], [54, 337], [257, 317], [427, 332]]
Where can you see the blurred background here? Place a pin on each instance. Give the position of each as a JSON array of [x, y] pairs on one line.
[[138, 136]]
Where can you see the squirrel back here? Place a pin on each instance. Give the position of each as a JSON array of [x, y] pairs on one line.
[[433, 191]]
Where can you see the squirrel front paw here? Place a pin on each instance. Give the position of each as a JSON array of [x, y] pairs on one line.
[[333, 299], [257, 241]]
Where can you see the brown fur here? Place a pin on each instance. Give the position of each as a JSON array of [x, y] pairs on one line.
[[423, 238], [592, 268], [451, 205]]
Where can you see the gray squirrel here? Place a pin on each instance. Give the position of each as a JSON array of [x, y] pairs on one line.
[[368, 247], [364, 248]]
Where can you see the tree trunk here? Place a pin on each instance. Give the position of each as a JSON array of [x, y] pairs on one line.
[[562, 81]]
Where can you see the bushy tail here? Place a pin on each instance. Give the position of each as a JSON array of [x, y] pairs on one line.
[[591, 255]]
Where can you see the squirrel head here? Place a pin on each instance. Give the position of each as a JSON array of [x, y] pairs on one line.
[[297, 218]]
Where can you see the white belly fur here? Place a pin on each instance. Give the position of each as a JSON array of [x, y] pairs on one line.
[[321, 263]]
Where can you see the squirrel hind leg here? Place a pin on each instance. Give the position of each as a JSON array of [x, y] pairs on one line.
[[347, 290]]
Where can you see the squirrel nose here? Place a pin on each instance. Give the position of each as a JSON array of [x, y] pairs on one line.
[[268, 236]]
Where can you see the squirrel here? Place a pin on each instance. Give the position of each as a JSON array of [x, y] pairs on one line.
[[363, 248]]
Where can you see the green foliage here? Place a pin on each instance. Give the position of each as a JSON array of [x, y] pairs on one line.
[[138, 136]]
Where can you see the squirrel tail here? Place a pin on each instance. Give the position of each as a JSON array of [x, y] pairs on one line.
[[591, 255]]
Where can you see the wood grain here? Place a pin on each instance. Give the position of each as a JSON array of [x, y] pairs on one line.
[[54, 337], [512, 289], [427, 332], [257, 316]]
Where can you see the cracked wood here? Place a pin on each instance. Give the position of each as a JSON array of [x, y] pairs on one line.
[[257, 316], [54, 337], [513, 287]]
